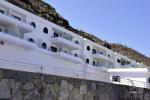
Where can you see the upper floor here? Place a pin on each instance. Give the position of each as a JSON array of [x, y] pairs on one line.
[[61, 42]]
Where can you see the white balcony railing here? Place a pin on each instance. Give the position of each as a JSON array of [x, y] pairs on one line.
[[16, 41], [98, 67], [68, 56], [102, 56], [52, 70], [20, 23], [69, 43]]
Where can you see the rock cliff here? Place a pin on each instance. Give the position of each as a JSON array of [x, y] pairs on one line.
[[46, 11]]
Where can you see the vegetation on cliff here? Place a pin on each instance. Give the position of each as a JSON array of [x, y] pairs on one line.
[[46, 11]]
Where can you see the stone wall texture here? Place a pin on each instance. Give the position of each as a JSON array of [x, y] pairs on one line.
[[16, 85]]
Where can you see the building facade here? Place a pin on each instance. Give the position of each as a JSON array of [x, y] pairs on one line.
[[31, 43]]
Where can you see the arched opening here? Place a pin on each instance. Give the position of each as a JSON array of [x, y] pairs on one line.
[[88, 48], [53, 49], [45, 30], [118, 60], [44, 46], [94, 63], [56, 34], [149, 80], [94, 51], [2, 42], [77, 42], [33, 24], [87, 61], [31, 40], [76, 55]]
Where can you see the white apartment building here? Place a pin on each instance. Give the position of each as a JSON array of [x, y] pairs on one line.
[[31, 43]]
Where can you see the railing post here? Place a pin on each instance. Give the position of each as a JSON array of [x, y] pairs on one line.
[[144, 84], [41, 70]]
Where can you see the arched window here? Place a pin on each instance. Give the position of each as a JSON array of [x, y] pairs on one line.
[[109, 55], [33, 24], [77, 42], [31, 40], [88, 48], [76, 55], [2, 43], [87, 61], [44, 46], [118, 60], [149, 80], [94, 63], [45, 30], [94, 51]]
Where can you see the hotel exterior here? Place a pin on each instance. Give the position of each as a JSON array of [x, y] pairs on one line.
[[33, 44]]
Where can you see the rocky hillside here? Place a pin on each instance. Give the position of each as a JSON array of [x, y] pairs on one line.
[[46, 11]]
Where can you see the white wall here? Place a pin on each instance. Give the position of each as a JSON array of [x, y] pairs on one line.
[[39, 57], [132, 76], [52, 65]]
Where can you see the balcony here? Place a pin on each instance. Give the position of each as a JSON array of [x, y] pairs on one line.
[[11, 20], [16, 41], [68, 43], [101, 56], [68, 57], [98, 67]]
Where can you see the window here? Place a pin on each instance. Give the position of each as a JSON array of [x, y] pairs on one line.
[[149, 80], [76, 55], [16, 17], [56, 35], [33, 24], [77, 42], [31, 40], [101, 52], [94, 63], [87, 61], [53, 49], [65, 51], [45, 30], [44, 46], [88, 48], [1, 11], [116, 78], [94, 51], [2, 43], [133, 65], [118, 60]]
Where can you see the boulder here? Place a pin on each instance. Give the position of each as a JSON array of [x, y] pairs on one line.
[[4, 89], [64, 90]]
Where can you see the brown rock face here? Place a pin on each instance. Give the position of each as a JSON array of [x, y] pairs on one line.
[[46, 11]]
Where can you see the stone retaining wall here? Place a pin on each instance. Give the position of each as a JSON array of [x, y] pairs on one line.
[[16, 85]]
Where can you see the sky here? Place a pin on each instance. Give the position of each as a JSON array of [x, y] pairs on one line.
[[117, 21]]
